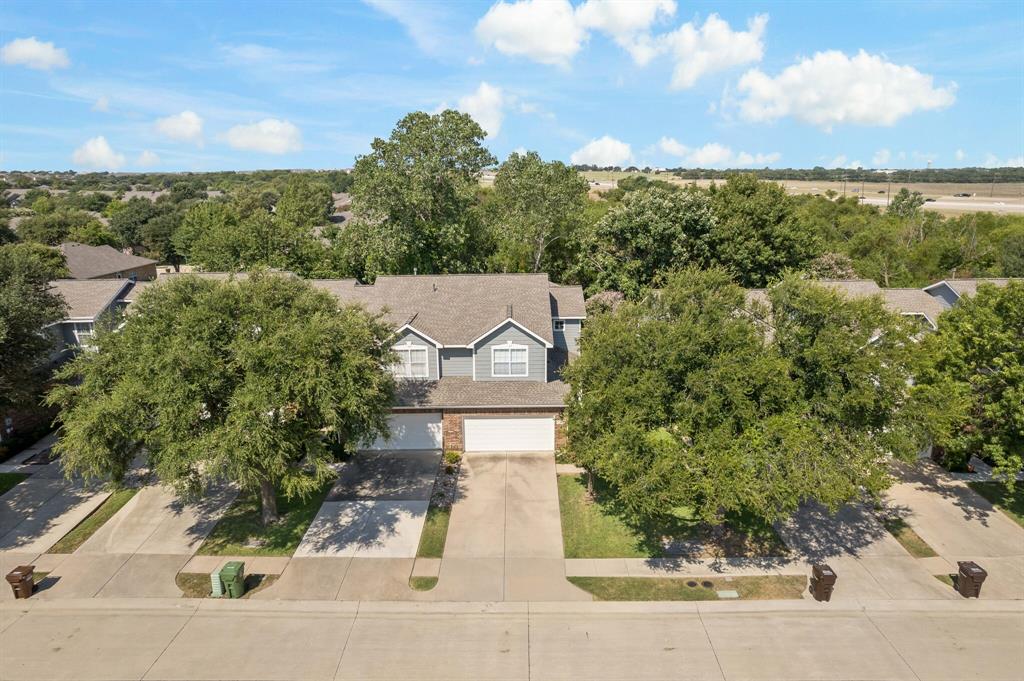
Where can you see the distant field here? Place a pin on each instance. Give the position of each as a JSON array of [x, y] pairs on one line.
[[1001, 197]]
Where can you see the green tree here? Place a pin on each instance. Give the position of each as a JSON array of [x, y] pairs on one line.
[[93, 233], [261, 240], [227, 380], [127, 222], [639, 241], [305, 202], [416, 189], [696, 399], [27, 305], [201, 218], [906, 204], [534, 209], [158, 237], [755, 235], [974, 366], [52, 228]]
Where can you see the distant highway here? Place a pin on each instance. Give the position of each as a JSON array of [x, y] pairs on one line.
[[967, 205]]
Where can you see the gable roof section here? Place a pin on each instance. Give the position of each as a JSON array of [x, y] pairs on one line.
[[966, 287], [454, 309], [567, 302], [910, 301], [87, 298], [90, 262]]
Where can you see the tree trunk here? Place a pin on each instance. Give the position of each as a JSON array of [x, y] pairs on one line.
[[268, 503], [590, 484]]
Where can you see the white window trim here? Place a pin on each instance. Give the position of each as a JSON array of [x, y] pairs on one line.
[[409, 347], [511, 346], [556, 322]]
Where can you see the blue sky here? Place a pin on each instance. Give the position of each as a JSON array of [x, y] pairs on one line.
[[212, 86]]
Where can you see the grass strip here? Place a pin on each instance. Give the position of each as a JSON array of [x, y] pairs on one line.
[[1009, 502], [422, 583], [435, 532], [907, 538], [766, 587], [9, 480], [197, 584], [241, 532], [94, 521]]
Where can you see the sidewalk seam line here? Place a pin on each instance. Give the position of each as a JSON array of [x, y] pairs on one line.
[[700, 616], [896, 650], [174, 638], [348, 636]]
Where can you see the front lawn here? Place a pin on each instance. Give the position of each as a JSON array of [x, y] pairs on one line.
[[197, 584], [9, 480], [435, 532], [241, 532], [768, 587], [1010, 503], [94, 521], [910, 540], [598, 528]]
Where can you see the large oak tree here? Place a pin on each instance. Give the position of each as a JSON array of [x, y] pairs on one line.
[[238, 380]]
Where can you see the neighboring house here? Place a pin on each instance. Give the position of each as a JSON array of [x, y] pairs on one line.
[[478, 357], [910, 302], [105, 262], [89, 304], [949, 291]]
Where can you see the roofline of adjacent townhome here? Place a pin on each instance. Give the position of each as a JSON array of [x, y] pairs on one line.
[[558, 316], [508, 320], [931, 321], [93, 319], [945, 283], [560, 405], [418, 333]]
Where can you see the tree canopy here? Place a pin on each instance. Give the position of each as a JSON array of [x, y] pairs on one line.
[[236, 380], [27, 305], [693, 398], [974, 366]]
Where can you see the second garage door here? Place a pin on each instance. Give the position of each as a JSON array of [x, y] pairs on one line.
[[509, 434], [412, 431]]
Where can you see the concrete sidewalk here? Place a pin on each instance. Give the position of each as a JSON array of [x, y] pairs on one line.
[[758, 641]]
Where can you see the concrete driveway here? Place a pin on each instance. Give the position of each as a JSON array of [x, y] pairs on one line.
[[961, 525], [37, 512], [376, 509], [505, 534]]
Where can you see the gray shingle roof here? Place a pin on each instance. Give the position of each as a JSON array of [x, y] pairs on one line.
[[968, 287], [459, 391], [87, 298], [913, 301], [89, 262], [567, 301], [455, 309]]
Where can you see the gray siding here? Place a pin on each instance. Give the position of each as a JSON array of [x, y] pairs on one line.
[[536, 357], [569, 338], [456, 362], [409, 336], [944, 294]]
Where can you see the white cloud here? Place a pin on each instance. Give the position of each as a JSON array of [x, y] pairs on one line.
[[713, 47], [97, 153], [184, 127], [271, 136], [993, 161], [545, 31], [605, 151], [960, 154], [34, 54], [838, 162], [715, 155], [101, 104], [147, 159], [426, 23], [831, 88], [881, 158], [486, 106], [628, 23]]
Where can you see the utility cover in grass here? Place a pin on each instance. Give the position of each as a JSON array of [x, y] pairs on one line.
[[728, 593]]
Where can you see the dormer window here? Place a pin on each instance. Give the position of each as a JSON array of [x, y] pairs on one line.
[[412, 361], [509, 360], [559, 325]]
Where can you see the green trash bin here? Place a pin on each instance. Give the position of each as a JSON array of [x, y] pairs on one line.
[[232, 575]]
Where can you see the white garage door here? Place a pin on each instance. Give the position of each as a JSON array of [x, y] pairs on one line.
[[523, 434], [412, 431]]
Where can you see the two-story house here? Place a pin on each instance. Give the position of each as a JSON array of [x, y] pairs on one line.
[[478, 357]]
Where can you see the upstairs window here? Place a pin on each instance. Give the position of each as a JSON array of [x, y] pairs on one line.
[[559, 325], [412, 361], [509, 360]]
